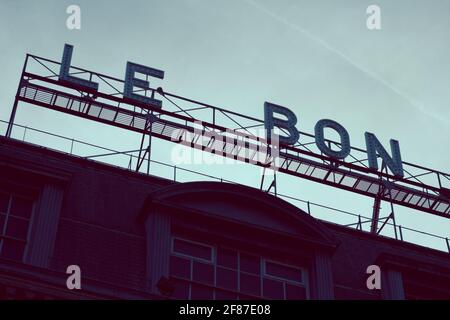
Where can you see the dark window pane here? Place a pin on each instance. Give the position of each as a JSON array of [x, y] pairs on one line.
[[180, 267], [13, 249], [273, 289], [226, 279], [284, 272], [17, 228], [181, 290], [201, 292], [250, 263], [204, 273], [295, 292], [21, 207], [4, 199], [2, 223], [227, 258], [250, 284], [225, 295], [192, 249]]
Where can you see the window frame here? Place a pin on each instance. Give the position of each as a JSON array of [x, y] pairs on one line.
[[7, 215], [262, 270], [304, 271], [301, 269], [172, 250]]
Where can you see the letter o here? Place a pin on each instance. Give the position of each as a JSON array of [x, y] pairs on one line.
[[320, 139]]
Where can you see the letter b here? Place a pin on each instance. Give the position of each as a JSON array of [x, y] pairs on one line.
[[289, 124]]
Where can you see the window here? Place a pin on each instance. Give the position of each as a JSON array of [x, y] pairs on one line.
[[202, 271], [282, 281], [192, 249], [15, 215]]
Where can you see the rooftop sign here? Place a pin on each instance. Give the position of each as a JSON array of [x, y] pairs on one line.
[[374, 147], [132, 104]]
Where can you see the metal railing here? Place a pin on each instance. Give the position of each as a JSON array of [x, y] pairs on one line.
[[175, 171]]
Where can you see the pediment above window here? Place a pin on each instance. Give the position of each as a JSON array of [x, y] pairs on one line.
[[239, 204]]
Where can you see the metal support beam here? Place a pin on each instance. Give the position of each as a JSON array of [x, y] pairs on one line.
[[16, 101], [273, 184], [147, 152], [359, 224], [11, 119], [303, 162], [375, 215]]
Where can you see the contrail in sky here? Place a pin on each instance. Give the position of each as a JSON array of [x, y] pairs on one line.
[[369, 73]]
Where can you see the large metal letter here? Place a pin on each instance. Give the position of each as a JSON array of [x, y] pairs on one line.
[[374, 147], [65, 67], [131, 81], [320, 140], [289, 124]]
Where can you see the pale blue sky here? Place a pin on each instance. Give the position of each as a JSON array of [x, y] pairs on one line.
[[315, 57]]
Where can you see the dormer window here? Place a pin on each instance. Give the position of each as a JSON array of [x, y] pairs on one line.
[[220, 241], [203, 271]]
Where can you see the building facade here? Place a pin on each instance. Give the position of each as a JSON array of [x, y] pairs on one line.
[[136, 236]]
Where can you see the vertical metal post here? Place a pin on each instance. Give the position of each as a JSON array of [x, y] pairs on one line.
[[392, 215], [395, 225], [448, 244], [359, 225], [375, 215], [439, 180], [130, 163], [149, 148], [11, 118], [147, 153], [139, 161], [16, 101], [275, 182], [401, 232], [262, 178]]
